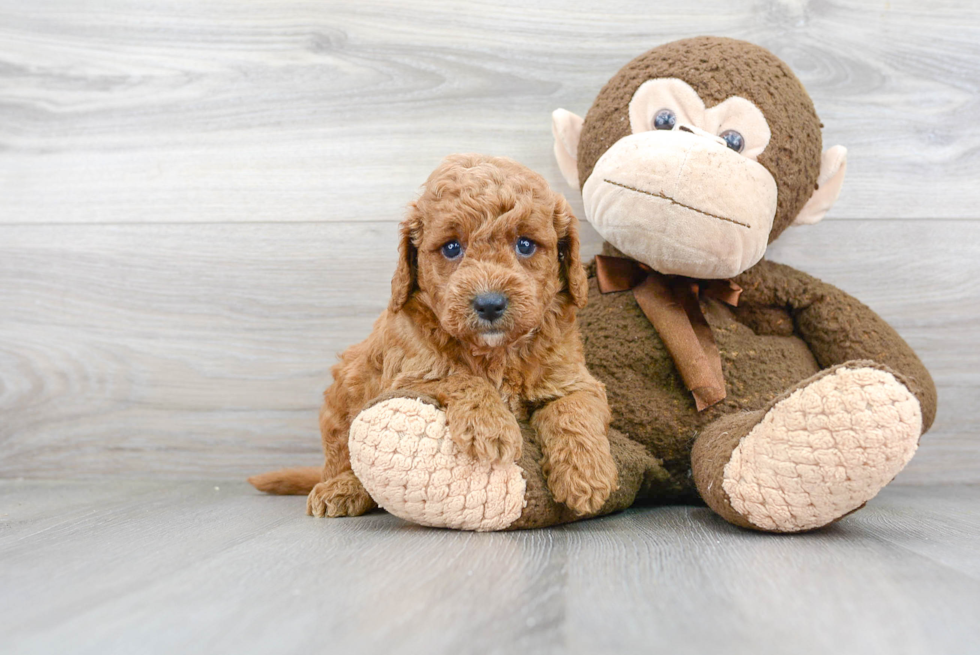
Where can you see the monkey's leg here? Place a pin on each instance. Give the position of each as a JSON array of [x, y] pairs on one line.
[[815, 454], [838, 328], [403, 454]]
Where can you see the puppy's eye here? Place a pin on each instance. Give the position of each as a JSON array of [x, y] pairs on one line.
[[452, 250], [525, 247]]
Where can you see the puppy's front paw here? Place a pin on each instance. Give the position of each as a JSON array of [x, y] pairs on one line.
[[339, 496], [582, 480], [490, 433]]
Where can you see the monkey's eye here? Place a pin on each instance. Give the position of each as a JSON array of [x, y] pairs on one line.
[[664, 120], [452, 249], [734, 140], [525, 247]]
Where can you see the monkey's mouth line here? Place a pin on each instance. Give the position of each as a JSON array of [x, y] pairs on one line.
[[679, 204]]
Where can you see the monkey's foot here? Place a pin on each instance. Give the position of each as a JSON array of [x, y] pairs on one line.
[[815, 455], [401, 451]]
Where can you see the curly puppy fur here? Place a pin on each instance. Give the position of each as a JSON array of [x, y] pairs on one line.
[[528, 365]]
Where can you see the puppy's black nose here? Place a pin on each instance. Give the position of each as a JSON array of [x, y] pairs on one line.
[[490, 306]]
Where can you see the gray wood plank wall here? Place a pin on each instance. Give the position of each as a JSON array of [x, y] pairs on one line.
[[198, 199]]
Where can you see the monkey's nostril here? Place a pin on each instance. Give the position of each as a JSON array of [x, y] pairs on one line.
[[684, 128], [490, 306]]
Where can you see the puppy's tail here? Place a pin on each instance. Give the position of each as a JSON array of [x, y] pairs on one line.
[[288, 482]]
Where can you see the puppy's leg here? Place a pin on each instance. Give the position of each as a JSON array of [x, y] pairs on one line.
[[577, 462], [480, 424], [340, 493]]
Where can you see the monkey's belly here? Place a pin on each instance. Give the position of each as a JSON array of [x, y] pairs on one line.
[[649, 401]]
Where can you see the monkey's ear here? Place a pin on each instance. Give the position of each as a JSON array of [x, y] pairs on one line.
[[833, 165], [567, 128], [403, 282], [569, 255]]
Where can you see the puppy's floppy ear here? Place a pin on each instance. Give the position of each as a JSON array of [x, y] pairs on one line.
[[403, 282], [572, 271]]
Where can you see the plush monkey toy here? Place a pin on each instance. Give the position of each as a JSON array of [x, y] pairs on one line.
[[780, 400]]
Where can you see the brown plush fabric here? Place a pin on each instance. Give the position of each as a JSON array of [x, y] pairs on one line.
[[712, 451], [672, 305], [838, 328], [718, 68], [788, 326], [795, 325]]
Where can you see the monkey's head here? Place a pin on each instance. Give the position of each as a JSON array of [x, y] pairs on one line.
[[697, 154]]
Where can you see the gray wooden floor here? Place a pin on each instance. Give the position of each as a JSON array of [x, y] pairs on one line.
[[199, 567]]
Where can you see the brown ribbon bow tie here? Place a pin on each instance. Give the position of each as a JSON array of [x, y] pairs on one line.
[[671, 303]]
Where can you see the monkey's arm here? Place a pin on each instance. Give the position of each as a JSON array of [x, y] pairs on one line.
[[837, 327]]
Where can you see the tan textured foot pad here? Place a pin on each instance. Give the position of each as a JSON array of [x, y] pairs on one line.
[[824, 451], [401, 452]]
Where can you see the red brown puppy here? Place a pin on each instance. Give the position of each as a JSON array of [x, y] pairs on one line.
[[481, 321]]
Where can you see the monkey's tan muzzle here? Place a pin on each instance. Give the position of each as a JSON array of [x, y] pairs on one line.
[[682, 203]]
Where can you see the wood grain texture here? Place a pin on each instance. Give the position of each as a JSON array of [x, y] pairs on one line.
[[197, 198], [201, 350], [292, 110], [203, 567]]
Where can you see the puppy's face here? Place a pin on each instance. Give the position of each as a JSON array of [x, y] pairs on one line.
[[490, 250], [490, 278]]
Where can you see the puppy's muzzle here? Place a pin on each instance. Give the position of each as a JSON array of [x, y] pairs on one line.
[[490, 306]]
